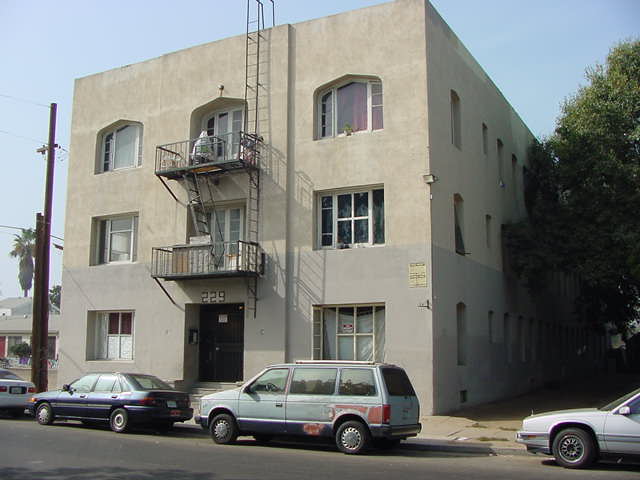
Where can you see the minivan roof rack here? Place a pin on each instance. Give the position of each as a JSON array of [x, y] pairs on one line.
[[339, 362]]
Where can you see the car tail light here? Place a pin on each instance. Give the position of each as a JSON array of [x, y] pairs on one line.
[[31, 389], [386, 414], [3, 388], [149, 401]]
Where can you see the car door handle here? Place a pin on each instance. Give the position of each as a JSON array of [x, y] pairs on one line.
[[114, 396], [278, 405], [83, 396]]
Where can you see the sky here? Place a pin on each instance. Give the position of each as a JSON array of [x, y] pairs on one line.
[[536, 52]]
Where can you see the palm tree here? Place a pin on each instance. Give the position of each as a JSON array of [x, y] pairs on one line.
[[24, 248]]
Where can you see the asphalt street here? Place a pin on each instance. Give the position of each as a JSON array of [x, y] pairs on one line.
[[72, 451]]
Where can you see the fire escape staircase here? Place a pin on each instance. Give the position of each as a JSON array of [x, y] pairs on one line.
[[199, 177]]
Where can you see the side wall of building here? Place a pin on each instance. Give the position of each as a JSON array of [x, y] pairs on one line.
[[491, 337]]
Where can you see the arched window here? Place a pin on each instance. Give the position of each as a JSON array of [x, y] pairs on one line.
[[461, 325], [348, 107], [458, 217], [456, 133], [121, 147], [225, 126]]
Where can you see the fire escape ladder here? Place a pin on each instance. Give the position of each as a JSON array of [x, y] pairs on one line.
[[195, 203], [256, 126], [199, 217]]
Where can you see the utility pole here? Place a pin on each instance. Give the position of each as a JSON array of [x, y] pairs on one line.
[[36, 327], [40, 334]]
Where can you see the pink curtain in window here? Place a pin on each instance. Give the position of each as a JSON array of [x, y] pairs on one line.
[[352, 106]]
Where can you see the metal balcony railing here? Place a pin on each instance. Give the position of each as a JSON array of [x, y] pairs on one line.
[[228, 151], [230, 259]]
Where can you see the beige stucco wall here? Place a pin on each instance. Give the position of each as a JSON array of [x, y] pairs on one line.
[[419, 61], [394, 157], [478, 279]]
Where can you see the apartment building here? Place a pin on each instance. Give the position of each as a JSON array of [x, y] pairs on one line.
[[344, 201]]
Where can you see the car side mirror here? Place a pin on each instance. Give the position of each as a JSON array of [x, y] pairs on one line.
[[247, 389], [66, 387], [624, 410]]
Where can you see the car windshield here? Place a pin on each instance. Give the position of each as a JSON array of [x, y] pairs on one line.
[[6, 375], [147, 382], [610, 406]]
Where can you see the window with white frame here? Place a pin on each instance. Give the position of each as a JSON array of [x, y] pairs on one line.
[[350, 107], [224, 128], [117, 239], [227, 225], [349, 332], [350, 219], [114, 336], [121, 147]]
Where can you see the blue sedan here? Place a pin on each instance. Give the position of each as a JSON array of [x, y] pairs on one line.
[[121, 399]]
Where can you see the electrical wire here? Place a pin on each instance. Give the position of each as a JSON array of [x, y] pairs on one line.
[[20, 228], [24, 100]]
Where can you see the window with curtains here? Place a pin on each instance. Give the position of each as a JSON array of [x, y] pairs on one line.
[[121, 147], [349, 332], [116, 239], [113, 336], [348, 219], [350, 107]]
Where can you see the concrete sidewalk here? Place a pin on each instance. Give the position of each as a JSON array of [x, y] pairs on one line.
[[490, 429]]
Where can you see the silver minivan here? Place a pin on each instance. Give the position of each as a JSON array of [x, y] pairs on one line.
[[358, 403]]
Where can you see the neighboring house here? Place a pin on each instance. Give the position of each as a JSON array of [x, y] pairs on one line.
[[16, 322], [357, 217]]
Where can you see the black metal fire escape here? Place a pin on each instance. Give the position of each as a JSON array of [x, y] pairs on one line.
[[198, 163]]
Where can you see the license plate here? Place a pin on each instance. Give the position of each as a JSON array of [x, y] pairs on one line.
[[175, 413], [171, 404], [15, 389]]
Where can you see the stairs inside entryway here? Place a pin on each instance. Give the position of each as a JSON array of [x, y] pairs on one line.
[[200, 389]]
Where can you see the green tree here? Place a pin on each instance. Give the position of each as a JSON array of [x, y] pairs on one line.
[[24, 249], [582, 193], [22, 350], [55, 294]]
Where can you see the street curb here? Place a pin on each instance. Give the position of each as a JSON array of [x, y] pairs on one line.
[[415, 444], [430, 445]]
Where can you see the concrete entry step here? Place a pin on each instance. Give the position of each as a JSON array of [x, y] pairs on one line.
[[200, 389]]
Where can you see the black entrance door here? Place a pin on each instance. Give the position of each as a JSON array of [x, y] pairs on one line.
[[221, 342]]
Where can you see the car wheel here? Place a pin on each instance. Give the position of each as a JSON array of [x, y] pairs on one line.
[[224, 429], [119, 420], [352, 437], [263, 438], [44, 414], [574, 448]]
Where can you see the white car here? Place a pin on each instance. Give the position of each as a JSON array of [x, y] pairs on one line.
[[576, 438], [14, 393]]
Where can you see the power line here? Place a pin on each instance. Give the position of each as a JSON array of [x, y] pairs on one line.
[[20, 228], [23, 137], [39, 142], [24, 100]]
